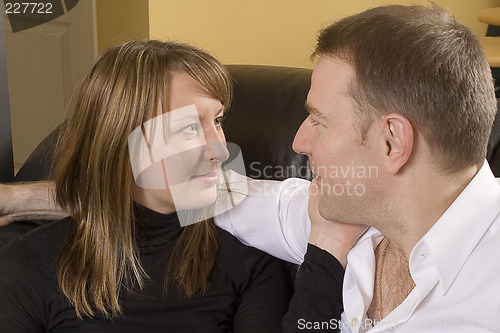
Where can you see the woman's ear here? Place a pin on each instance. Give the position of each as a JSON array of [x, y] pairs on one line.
[[398, 136]]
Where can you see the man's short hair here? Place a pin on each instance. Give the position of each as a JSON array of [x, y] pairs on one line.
[[422, 63]]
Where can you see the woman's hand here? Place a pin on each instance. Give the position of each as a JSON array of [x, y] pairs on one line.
[[334, 237], [28, 201]]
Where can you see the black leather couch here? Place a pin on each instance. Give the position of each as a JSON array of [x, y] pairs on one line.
[[267, 110]]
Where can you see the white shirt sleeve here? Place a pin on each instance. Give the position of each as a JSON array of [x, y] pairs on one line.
[[272, 218]]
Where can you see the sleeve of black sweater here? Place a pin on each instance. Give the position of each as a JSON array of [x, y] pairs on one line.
[[316, 305], [264, 288]]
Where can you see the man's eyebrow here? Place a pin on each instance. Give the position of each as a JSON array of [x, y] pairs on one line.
[[312, 110]]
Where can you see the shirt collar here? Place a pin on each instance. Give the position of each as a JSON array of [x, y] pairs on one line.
[[454, 236], [373, 234]]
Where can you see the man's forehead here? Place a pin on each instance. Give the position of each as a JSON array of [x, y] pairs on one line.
[[330, 89], [331, 75]]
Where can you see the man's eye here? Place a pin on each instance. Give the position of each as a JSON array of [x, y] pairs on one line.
[[313, 122], [189, 129]]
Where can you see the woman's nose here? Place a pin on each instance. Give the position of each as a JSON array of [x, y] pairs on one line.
[[216, 152], [216, 146]]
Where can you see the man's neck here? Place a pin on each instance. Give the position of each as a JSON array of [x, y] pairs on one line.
[[420, 207]]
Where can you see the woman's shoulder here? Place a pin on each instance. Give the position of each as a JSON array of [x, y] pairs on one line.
[[238, 258], [252, 271], [230, 246]]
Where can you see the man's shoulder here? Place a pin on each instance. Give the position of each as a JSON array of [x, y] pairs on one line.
[[490, 241]]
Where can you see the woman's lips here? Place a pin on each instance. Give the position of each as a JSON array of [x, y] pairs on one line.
[[210, 178]]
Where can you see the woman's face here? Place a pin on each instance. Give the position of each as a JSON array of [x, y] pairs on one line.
[[176, 156]]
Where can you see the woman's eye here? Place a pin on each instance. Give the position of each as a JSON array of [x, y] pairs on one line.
[[218, 121], [189, 129]]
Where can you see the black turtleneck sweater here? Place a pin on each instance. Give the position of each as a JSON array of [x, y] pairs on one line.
[[249, 290]]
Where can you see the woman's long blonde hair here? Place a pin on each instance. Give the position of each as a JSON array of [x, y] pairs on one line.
[[94, 179]]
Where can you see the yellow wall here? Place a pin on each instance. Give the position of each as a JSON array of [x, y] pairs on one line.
[[274, 32], [121, 20]]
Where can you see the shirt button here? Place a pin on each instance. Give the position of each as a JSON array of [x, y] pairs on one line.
[[354, 322]]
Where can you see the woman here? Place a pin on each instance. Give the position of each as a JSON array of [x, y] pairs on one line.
[[143, 139]]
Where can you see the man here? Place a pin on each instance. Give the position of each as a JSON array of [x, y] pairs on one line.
[[416, 86], [404, 91]]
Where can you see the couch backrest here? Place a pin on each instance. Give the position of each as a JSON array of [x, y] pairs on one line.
[[267, 110]]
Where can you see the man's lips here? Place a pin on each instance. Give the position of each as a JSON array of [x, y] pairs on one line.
[[315, 175], [210, 178]]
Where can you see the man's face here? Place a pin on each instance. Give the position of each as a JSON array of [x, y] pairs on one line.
[[331, 139]]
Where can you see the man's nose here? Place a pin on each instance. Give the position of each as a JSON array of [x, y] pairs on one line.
[[302, 141]]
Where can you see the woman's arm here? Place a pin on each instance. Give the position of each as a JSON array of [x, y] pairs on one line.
[[316, 305], [274, 218], [317, 299], [264, 287], [276, 221]]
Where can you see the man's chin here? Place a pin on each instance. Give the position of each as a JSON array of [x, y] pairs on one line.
[[325, 209], [332, 210]]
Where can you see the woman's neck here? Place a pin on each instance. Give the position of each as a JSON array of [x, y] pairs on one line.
[[159, 203]]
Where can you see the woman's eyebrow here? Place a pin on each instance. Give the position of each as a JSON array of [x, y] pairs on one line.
[[221, 111]]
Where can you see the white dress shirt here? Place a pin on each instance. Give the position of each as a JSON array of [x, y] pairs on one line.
[[273, 216], [455, 266]]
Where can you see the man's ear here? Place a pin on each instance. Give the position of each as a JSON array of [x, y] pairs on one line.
[[398, 136]]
